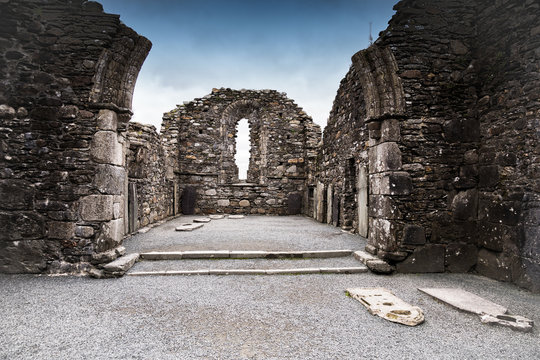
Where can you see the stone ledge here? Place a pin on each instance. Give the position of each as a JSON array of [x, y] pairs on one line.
[[225, 254], [292, 271], [374, 264], [119, 266]]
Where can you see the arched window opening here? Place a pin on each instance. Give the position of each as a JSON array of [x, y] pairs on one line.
[[243, 147]]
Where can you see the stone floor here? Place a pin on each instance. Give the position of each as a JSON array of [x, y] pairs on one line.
[[250, 316]]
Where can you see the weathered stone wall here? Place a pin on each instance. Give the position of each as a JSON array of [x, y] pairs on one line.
[[283, 147], [151, 194], [508, 53], [67, 75], [442, 113]]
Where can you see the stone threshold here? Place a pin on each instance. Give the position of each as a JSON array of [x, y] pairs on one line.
[[292, 271], [229, 254]]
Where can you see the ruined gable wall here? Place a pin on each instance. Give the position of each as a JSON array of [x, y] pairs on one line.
[[283, 141], [508, 53], [67, 74]]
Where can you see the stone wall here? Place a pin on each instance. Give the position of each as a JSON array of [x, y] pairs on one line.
[[283, 148], [151, 193], [67, 75], [441, 115]]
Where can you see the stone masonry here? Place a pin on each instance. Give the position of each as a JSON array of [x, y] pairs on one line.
[[431, 149], [67, 75], [201, 137], [433, 141]]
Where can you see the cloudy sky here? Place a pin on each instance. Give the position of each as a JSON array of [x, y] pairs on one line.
[[301, 47]]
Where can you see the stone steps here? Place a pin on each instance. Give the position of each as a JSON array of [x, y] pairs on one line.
[[226, 262]]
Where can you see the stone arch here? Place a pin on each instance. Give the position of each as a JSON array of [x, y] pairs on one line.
[[117, 69], [382, 88]]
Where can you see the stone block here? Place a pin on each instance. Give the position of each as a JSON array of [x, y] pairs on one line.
[[210, 192], [384, 157], [122, 264], [84, 231], [27, 256], [382, 234], [493, 209], [395, 183], [61, 230], [465, 205], [21, 226], [16, 194], [494, 265], [223, 202], [110, 179], [106, 149], [425, 259], [96, 207], [110, 235], [383, 207], [390, 130], [460, 257], [107, 120], [244, 203], [414, 235]]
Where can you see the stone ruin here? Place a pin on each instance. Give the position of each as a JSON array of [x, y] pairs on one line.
[[431, 149]]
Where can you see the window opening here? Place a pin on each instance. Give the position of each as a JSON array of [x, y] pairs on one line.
[[243, 147]]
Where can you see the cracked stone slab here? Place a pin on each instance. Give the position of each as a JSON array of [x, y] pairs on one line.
[[122, 264], [383, 303], [236, 216], [188, 227], [490, 313], [216, 217], [202, 220]]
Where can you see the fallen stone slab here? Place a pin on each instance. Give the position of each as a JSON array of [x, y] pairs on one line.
[[236, 216], [119, 266], [383, 303], [490, 313], [374, 264], [466, 301], [515, 322], [216, 217], [188, 227], [202, 220]]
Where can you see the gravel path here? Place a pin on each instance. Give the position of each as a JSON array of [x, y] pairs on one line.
[[250, 317], [273, 233]]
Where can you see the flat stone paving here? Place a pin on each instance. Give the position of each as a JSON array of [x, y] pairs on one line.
[[278, 233], [250, 316]]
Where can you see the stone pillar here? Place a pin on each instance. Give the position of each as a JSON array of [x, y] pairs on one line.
[[362, 201], [107, 207], [329, 197]]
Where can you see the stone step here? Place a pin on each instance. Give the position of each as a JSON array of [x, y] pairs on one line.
[[291, 271], [229, 254], [260, 266]]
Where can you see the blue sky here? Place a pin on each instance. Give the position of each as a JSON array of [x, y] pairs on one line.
[[301, 47]]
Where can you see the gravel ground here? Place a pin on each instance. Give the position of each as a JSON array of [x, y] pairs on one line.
[[272, 233], [251, 317]]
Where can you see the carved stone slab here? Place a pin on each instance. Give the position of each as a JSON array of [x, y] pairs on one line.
[[216, 217], [202, 220], [188, 227], [236, 216], [490, 313], [465, 301], [383, 303]]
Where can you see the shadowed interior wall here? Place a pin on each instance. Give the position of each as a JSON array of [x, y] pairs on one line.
[[67, 76]]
